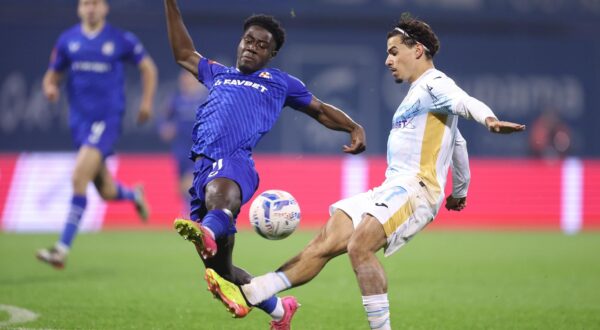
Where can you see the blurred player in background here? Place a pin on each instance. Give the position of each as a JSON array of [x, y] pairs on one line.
[[550, 136], [243, 104], [176, 124], [92, 54], [423, 143]]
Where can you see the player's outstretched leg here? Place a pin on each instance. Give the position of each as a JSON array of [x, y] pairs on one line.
[[56, 256], [197, 234], [290, 305], [228, 293], [87, 165], [329, 243]]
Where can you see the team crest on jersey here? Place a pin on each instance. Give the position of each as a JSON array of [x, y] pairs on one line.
[[108, 48], [265, 75], [74, 46]]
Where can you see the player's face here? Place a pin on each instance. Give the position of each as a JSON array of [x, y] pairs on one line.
[[255, 50], [401, 59], [92, 12]]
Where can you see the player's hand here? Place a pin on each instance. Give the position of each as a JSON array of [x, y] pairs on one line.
[[502, 127], [359, 142], [52, 93], [455, 204], [144, 114]]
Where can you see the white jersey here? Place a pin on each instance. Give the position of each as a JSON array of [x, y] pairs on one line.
[[424, 134], [423, 143]]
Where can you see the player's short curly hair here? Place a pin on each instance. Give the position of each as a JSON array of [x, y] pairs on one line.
[[270, 24], [415, 31]]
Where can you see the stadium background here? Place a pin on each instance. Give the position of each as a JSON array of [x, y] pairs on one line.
[[502, 263], [521, 57]]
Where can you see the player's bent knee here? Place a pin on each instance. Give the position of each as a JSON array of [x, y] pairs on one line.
[[362, 246], [221, 202], [357, 251]]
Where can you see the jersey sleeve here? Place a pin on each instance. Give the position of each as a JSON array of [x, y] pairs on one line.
[[448, 97], [298, 96], [134, 50], [59, 61], [461, 173], [471, 108], [207, 69]]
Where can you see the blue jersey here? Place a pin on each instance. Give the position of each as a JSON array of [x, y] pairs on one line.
[[95, 83], [241, 108]]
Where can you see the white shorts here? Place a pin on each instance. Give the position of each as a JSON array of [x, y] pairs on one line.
[[402, 210]]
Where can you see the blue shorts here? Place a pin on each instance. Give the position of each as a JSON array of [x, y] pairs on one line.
[[101, 134], [239, 170]]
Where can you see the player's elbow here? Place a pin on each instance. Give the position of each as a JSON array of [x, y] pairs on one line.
[[179, 58], [182, 63], [189, 61]]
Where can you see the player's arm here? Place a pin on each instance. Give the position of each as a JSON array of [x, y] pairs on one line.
[[59, 63], [50, 84], [181, 43], [470, 107], [461, 175], [335, 119], [149, 77]]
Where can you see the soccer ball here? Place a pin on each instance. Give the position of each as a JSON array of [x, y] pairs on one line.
[[274, 214]]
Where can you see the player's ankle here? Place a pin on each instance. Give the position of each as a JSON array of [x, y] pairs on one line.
[[264, 286]]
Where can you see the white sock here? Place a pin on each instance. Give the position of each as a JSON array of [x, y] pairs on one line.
[[263, 287], [277, 313], [378, 311], [61, 248]]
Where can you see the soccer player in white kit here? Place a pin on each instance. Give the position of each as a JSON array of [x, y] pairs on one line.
[[423, 143]]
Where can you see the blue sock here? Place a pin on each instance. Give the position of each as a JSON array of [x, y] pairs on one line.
[[218, 222], [268, 305], [78, 204], [124, 193]]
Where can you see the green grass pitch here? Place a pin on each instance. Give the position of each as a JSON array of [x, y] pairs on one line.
[[441, 280]]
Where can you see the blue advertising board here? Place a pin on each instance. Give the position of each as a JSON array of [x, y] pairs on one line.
[[523, 58]]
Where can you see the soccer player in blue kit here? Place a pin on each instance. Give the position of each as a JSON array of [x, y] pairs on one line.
[[243, 104], [93, 53]]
